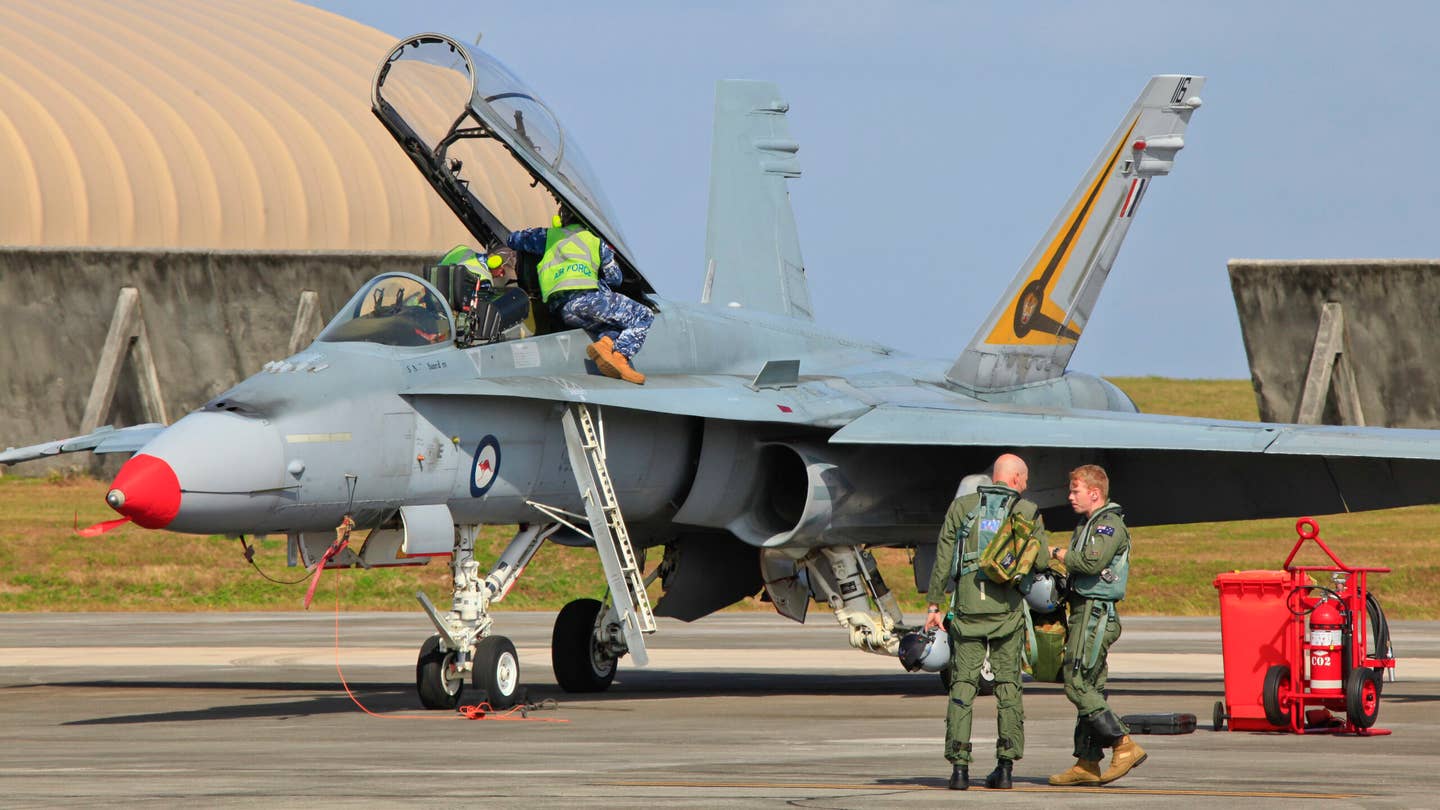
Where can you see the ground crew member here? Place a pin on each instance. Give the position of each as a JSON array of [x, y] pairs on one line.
[[476, 264], [573, 264], [1098, 561], [982, 615]]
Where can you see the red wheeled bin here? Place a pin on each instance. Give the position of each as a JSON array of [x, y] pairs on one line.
[[1253, 620], [1296, 648]]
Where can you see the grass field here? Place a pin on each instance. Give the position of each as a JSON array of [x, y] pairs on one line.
[[45, 566]]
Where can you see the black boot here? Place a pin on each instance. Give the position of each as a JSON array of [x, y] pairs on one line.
[[999, 779], [1106, 728], [960, 777]]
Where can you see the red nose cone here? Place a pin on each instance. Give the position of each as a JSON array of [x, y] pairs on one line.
[[146, 491]]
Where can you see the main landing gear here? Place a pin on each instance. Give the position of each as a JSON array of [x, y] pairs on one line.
[[580, 652]]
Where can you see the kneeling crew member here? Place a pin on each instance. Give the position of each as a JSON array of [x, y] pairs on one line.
[[986, 615], [1098, 560], [573, 263]]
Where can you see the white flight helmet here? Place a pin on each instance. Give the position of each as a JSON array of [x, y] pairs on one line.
[[928, 650], [1044, 594]]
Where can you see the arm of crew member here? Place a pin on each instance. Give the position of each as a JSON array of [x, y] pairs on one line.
[[1042, 560], [944, 558], [529, 240], [609, 270], [1097, 552]]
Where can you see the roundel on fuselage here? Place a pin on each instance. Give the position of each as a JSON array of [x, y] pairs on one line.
[[485, 467]]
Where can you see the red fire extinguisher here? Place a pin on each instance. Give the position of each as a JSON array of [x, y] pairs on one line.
[[1327, 649]]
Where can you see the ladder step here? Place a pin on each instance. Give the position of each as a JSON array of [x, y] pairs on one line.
[[620, 558]]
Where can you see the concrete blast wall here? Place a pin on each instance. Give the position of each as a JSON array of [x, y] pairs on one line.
[[1391, 328], [212, 317]]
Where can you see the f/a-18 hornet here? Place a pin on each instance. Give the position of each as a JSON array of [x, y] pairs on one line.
[[764, 452]]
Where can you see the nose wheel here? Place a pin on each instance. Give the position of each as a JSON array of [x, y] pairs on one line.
[[437, 678], [496, 673]]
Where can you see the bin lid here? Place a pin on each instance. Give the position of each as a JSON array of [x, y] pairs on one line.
[[1239, 577]]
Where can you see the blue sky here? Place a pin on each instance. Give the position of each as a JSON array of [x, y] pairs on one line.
[[938, 140]]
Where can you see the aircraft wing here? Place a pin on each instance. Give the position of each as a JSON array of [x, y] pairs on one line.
[[970, 426], [712, 396], [1170, 469], [104, 440]]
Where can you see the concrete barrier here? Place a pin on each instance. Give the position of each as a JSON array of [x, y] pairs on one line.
[[212, 317], [1392, 334]]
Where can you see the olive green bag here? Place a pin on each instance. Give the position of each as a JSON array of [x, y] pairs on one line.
[[1011, 553]]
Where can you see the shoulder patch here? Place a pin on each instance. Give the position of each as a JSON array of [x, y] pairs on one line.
[[1105, 530]]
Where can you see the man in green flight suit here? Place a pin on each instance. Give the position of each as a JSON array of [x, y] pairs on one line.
[[982, 615], [1098, 561]]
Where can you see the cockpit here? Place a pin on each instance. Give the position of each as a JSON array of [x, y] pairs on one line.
[[392, 310], [493, 150]]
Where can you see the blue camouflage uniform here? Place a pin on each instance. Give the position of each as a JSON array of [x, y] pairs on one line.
[[602, 311]]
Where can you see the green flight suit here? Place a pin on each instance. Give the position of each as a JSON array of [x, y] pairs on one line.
[[986, 615], [1094, 545]]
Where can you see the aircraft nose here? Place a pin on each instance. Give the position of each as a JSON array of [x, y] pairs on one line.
[[209, 473], [147, 491]]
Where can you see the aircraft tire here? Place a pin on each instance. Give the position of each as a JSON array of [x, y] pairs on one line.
[[436, 692], [579, 666], [497, 672]]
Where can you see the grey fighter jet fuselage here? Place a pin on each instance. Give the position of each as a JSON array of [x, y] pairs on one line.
[[408, 422]]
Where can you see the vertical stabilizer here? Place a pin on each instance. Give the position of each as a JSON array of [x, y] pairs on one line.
[[1032, 332], [752, 251]]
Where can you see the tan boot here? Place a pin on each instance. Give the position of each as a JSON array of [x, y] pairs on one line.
[[603, 353], [604, 347], [1083, 772], [624, 370], [1127, 754]]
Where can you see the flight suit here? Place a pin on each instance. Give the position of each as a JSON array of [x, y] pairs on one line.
[[1095, 545], [985, 615]]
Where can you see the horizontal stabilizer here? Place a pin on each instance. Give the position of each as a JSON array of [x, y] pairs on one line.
[[105, 440]]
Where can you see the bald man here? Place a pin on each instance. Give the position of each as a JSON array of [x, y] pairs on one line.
[[982, 616]]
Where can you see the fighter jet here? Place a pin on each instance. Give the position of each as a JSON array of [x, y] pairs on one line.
[[764, 453]]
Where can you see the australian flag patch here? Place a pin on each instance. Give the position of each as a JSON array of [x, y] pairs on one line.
[[990, 525], [1105, 530]]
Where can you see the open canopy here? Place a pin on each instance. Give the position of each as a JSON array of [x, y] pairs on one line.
[[458, 112]]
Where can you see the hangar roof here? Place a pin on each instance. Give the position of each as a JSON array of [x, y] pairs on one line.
[[228, 124]]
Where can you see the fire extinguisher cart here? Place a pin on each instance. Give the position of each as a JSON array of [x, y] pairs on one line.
[[1332, 618]]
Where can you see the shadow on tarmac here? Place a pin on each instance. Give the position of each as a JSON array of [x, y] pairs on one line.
[[324, 698]]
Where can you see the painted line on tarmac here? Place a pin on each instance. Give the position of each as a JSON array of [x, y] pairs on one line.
[[1122, 791]]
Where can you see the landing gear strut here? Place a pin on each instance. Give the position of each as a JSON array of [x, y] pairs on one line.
[[464, 649]]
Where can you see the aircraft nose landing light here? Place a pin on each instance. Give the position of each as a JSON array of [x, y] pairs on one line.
[[147, 491]]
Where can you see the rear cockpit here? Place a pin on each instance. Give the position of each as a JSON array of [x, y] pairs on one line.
[[493, 150]]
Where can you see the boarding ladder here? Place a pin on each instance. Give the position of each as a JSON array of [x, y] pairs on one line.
[[607, 526]]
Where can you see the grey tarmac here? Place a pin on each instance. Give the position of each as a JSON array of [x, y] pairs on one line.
[[737, 710]]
